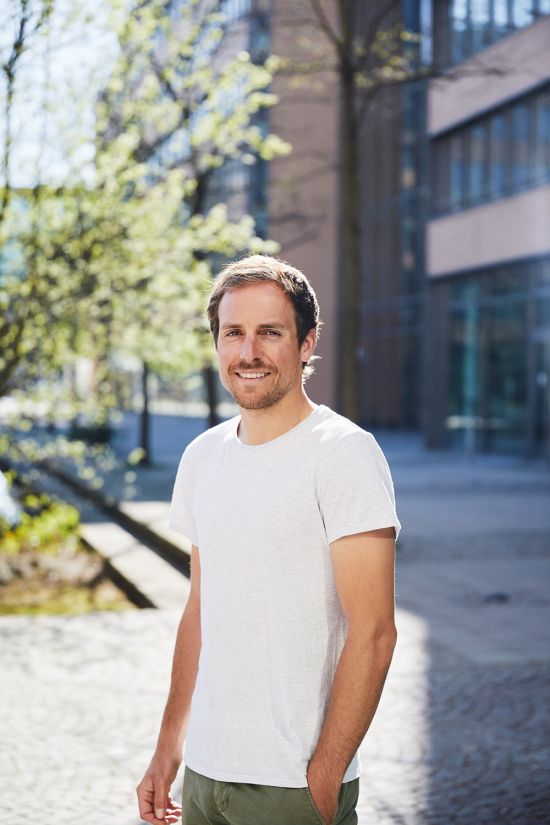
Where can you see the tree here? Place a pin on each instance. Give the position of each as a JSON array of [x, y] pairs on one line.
[[348, 52], [26, 20], [186, 108], [116, 256]]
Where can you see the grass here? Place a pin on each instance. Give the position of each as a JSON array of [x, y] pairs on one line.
[[38, 598]]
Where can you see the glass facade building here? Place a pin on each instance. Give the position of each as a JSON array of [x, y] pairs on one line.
[[489, 322], [464, 27], [500, 153], [495, 381]]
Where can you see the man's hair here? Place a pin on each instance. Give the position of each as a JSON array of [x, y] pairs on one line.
[[259, 268]]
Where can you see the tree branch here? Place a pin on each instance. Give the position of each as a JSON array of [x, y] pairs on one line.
[[324, 23]]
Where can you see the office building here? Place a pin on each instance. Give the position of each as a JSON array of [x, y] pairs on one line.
[[488, 232]]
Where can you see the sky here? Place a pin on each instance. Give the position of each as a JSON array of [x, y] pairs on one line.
[[58, 79]]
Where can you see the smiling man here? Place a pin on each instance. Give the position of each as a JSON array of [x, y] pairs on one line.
[[288, 634]]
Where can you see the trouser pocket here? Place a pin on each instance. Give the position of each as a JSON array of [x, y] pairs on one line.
[[347, 803]]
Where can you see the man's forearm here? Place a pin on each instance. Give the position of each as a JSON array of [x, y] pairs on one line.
[[184, 673], [356, 691]]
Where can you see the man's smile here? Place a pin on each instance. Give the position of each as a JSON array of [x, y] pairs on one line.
[[253, 376]]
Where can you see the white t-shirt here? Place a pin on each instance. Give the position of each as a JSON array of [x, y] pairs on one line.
[[263, 517]]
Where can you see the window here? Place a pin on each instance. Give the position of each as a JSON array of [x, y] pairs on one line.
[[501, 21], [480, 22], [520, 146], [522, 13], [477, 164], [440, 177], [494, 156], [498, 152], [464, 27], [542, 138], [457, 172], [460, 49]]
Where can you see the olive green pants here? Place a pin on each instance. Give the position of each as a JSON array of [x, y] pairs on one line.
[[211, 802]]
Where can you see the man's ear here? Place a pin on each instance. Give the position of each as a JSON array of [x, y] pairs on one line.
[[308, 345]]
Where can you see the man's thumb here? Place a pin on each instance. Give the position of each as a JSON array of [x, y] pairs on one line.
[[160, 802]]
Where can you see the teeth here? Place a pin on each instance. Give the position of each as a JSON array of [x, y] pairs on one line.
[[252, 374]]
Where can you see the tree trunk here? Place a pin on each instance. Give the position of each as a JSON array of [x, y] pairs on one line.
[[209, 377], [350, 273], [145, 419]]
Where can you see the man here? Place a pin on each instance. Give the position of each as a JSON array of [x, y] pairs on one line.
[[288, 633]]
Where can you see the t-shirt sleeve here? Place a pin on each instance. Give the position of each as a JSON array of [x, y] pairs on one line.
[[356, 491], [180, 516]]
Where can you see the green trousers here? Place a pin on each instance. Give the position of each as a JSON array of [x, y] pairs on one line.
[[212, 802]]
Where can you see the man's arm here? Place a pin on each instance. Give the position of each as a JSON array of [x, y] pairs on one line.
[[155, 803], [364, 573]]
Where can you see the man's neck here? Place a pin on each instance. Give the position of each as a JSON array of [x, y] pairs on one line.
[[259, 426]]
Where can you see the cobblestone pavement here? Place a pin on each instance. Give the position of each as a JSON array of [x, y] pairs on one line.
[[462, 732], [452, 741]]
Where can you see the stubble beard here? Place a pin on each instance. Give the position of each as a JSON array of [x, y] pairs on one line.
[[260, 400]]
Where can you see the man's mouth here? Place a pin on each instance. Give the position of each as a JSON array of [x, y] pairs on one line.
[[252, 376]]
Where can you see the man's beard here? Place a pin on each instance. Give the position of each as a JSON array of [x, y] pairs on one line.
[[259, 400]]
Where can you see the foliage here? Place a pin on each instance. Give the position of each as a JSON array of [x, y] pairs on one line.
[[115, 258], [44, 525]]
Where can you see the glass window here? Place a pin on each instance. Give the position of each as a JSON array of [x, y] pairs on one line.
[[477, 163], [509, 279], [541, 130], [500, 18], [439, 173], [542, 314], [464, 389], [460, 48], [507, 375], [473, 24], [502, 153], [542, 272], [520, 145], [480, 18], [522, 13], [498, 154], [458, 177]]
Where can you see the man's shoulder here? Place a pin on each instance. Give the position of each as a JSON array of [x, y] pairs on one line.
[[334, 427], [212, 437]]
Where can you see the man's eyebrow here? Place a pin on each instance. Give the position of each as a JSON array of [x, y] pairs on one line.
[[270, 325]]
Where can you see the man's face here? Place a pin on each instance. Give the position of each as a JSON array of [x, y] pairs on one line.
[[258, 338]]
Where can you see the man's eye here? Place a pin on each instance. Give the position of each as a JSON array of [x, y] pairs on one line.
[[266, 332]]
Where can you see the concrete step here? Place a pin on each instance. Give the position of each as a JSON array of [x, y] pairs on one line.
[[133, 565], [147, 578]]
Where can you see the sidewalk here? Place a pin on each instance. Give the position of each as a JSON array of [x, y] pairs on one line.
[[461, 734]]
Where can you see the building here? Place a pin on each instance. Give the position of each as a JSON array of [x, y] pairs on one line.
[[454, 303], [455, 225], [488, 230]]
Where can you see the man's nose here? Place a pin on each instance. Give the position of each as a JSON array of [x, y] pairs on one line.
[[250, 348]]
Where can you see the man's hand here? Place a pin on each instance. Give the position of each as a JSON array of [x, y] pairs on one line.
[[155, 803], [325, 790]]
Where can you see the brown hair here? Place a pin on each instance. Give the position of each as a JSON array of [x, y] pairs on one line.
[[258, 268]]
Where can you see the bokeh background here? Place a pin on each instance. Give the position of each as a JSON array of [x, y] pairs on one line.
[[398, 153]]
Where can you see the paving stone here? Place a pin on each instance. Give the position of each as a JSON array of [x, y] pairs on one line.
[[462, 732]]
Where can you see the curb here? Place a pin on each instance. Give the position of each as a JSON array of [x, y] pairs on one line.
[[149, 569], [167, 550]]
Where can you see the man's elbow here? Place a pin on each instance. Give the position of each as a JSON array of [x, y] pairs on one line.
[[383, 637]]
